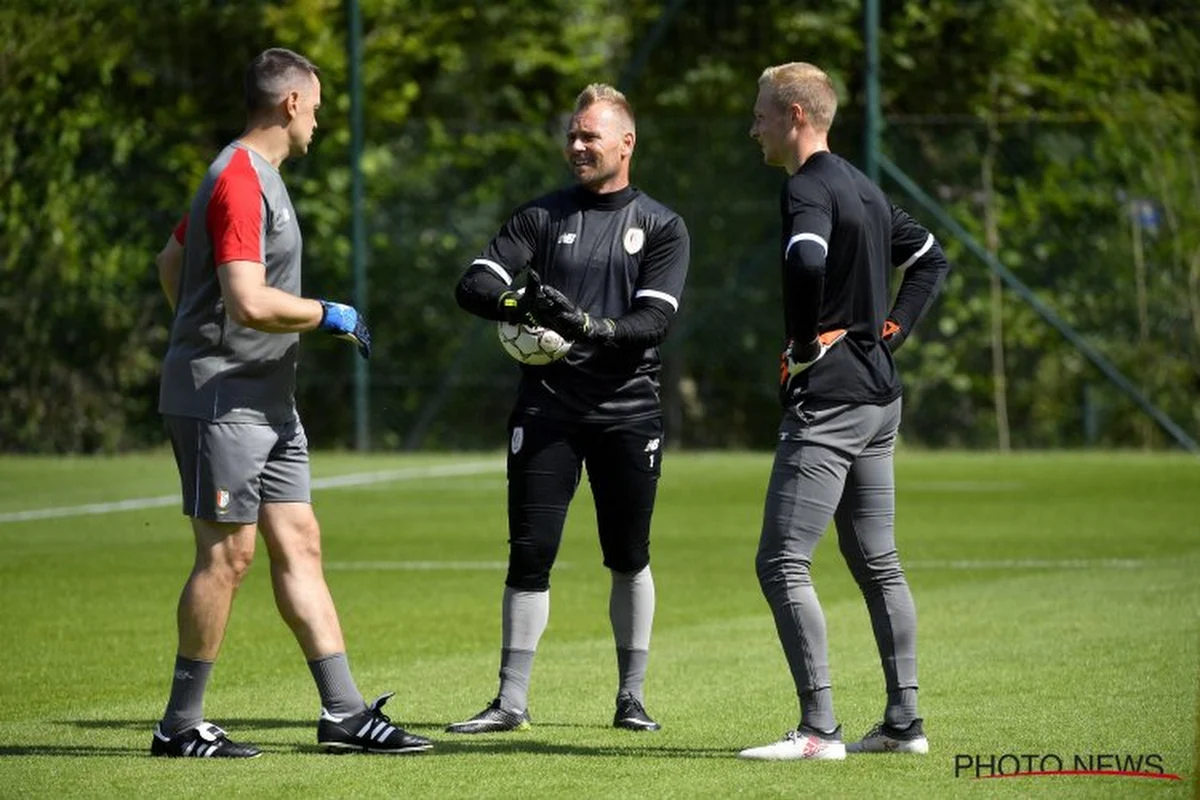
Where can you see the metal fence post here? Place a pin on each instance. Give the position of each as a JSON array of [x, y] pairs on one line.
[[358, 233]]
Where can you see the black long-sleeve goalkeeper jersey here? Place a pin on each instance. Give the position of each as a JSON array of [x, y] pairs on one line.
[[841, 239], [621, 255]]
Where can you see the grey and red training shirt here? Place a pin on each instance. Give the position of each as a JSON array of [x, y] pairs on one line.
[[214, 368]]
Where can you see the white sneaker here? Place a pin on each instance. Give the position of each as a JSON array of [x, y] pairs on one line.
[[801, 744], [883, 738]]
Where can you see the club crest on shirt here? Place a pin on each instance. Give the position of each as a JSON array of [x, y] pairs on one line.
[[634, 239], [518, 438]]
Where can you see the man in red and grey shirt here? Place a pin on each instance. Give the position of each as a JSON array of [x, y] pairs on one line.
[[231, 271]]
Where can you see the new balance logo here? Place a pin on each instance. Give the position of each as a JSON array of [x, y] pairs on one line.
[[652, 448], [566, 238]]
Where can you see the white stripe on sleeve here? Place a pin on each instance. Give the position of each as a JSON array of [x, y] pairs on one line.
[[657, 295], [913, 258], [494, 267], [806, 237]]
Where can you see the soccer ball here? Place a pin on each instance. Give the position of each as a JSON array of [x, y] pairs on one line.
[[531, 344]]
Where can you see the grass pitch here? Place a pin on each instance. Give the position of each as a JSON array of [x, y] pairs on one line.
[[1058, 600]]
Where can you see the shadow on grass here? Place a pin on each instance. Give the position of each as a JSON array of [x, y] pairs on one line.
[[70, 750], [512, 745], [642, 747], [228, 724], [237, 723], [635, 745], [441, 748]]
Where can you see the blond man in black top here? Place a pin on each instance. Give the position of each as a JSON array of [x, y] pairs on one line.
[[840, 240]]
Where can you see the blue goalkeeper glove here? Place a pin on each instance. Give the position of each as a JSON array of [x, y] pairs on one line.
[[345, 322]]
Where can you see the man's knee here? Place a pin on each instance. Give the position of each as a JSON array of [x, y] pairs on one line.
[[777, 570], [630, 560], [305, 545], [292, 534], [227, 559], [625, 539], [527, 580], [868, 567], [529, 565], [767, 568], [237, 567]]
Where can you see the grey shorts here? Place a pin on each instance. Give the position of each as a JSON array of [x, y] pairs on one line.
[[227, 470]]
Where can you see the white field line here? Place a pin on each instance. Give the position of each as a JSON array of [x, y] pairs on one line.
[[960, 486], [414, 566], [1012, 563], [423, 566], [335, 482], [1026, 563]]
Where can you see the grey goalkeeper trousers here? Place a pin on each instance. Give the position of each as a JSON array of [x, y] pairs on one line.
[[835, 462]]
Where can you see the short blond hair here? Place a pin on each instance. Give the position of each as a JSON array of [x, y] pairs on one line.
[[603, 93], [807, 86]]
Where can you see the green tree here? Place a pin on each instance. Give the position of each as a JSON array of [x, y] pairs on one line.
[[101, 127], [110, 111]]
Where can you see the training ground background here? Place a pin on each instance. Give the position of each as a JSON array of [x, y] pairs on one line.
[[1057, 598]]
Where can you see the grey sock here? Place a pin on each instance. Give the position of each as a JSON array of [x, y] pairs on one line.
[[515, 668], [339, 694], [524, 616], [185, 708], [816, 710], [631, 612], [631, 664], [631, 608], [901, 708]]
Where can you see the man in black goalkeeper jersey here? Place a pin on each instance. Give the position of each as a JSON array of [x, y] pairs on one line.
[[841, 395], [606, 267]]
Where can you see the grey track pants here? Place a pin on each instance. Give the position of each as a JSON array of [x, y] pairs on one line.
[[835, 462]]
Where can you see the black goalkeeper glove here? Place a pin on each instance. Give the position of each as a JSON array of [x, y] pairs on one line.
[[517, 306], [559, 314]]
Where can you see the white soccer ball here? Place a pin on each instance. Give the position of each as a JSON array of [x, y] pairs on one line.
[[531, 344]]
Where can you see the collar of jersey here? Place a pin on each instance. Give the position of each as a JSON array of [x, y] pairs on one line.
[[608, 201]]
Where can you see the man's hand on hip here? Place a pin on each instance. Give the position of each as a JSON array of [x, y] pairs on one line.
[[795, 360]]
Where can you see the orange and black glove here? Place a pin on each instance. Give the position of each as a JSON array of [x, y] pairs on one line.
[[893, 334], [794, 360]]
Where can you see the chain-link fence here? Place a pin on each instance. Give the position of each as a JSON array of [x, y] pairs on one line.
[[983, 371]]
